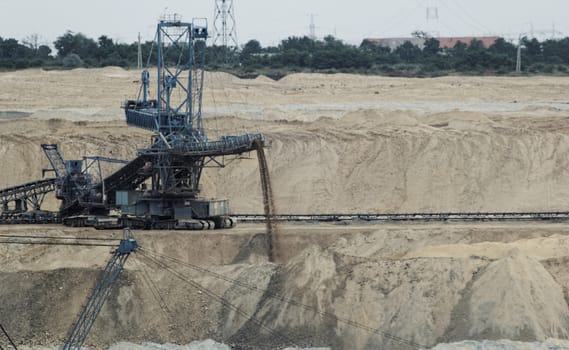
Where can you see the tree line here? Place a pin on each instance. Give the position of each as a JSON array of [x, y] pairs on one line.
[[296, 54]]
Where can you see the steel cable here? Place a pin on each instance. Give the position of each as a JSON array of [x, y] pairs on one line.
[[293, 302], [56, 237], [59, 243], [216, 297], [8, 336]]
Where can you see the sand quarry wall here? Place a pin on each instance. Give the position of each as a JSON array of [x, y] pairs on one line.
[[367, 161], [338, 142], [335, 146]]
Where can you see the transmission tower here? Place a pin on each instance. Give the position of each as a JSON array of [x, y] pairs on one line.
[[139, 64], [432, 19], [312, 27], [224, 25], [432, 13]]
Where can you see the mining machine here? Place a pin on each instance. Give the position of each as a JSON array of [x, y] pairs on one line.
[[158, 189], [180, 148]]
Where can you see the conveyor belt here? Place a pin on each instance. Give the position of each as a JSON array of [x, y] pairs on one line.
[[488, 216], [55, 159], [32, 192], [126, 178], [372, 218], [227, 145]]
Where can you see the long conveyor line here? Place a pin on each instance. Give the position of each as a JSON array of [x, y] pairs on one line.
[[395, 217], [557, 216]]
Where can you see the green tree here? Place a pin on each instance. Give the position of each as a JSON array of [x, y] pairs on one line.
[[44, 51], [302, 44], [78, 44], [408, 52], [501, 46], [458, 50], [72, 60], [432, 47], [533, 50], [294, 58], [251, 47], [421, 34], [331, 43], [476, 46], [556, 51]]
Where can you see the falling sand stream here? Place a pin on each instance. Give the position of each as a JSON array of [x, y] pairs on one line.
[[268, 202]]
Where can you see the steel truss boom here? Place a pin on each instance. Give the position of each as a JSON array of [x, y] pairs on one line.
[[101, 292], [55, 159], [32, 193]]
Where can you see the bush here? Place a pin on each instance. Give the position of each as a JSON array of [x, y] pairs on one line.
[[72, 60]]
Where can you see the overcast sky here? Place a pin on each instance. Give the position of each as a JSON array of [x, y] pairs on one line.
[[270, 21]]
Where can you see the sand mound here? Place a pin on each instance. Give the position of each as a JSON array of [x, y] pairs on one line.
[[378, 118], [516, 298], [195, 345], [540, 248], [354, 293], [408, 299], [215, 79], [115, 72], [504, 345], [264, 79]]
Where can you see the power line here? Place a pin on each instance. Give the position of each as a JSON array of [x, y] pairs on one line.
[[58, 243], [474, 19], [401, 16], [154, 290], [464, 15], [8, 336], [63, 238], [293, 302], [218, 298]]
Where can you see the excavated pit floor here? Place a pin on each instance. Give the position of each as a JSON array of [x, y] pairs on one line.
[[338, 285], [339, 143]]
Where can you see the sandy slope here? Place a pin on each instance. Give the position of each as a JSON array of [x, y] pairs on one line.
[[350, 288], [339, 143], [368, 161]]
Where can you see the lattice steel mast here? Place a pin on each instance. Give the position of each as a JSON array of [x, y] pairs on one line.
[[101, 292], [224, 24], [180, 148]]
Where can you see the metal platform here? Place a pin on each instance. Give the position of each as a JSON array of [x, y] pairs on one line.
[[227, 145]]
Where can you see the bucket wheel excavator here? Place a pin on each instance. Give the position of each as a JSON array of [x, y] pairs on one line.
[[159, 189]]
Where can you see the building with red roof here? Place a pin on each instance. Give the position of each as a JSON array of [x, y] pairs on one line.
[[445, 42]]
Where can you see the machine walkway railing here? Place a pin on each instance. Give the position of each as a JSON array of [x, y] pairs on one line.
[[227, 145]]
